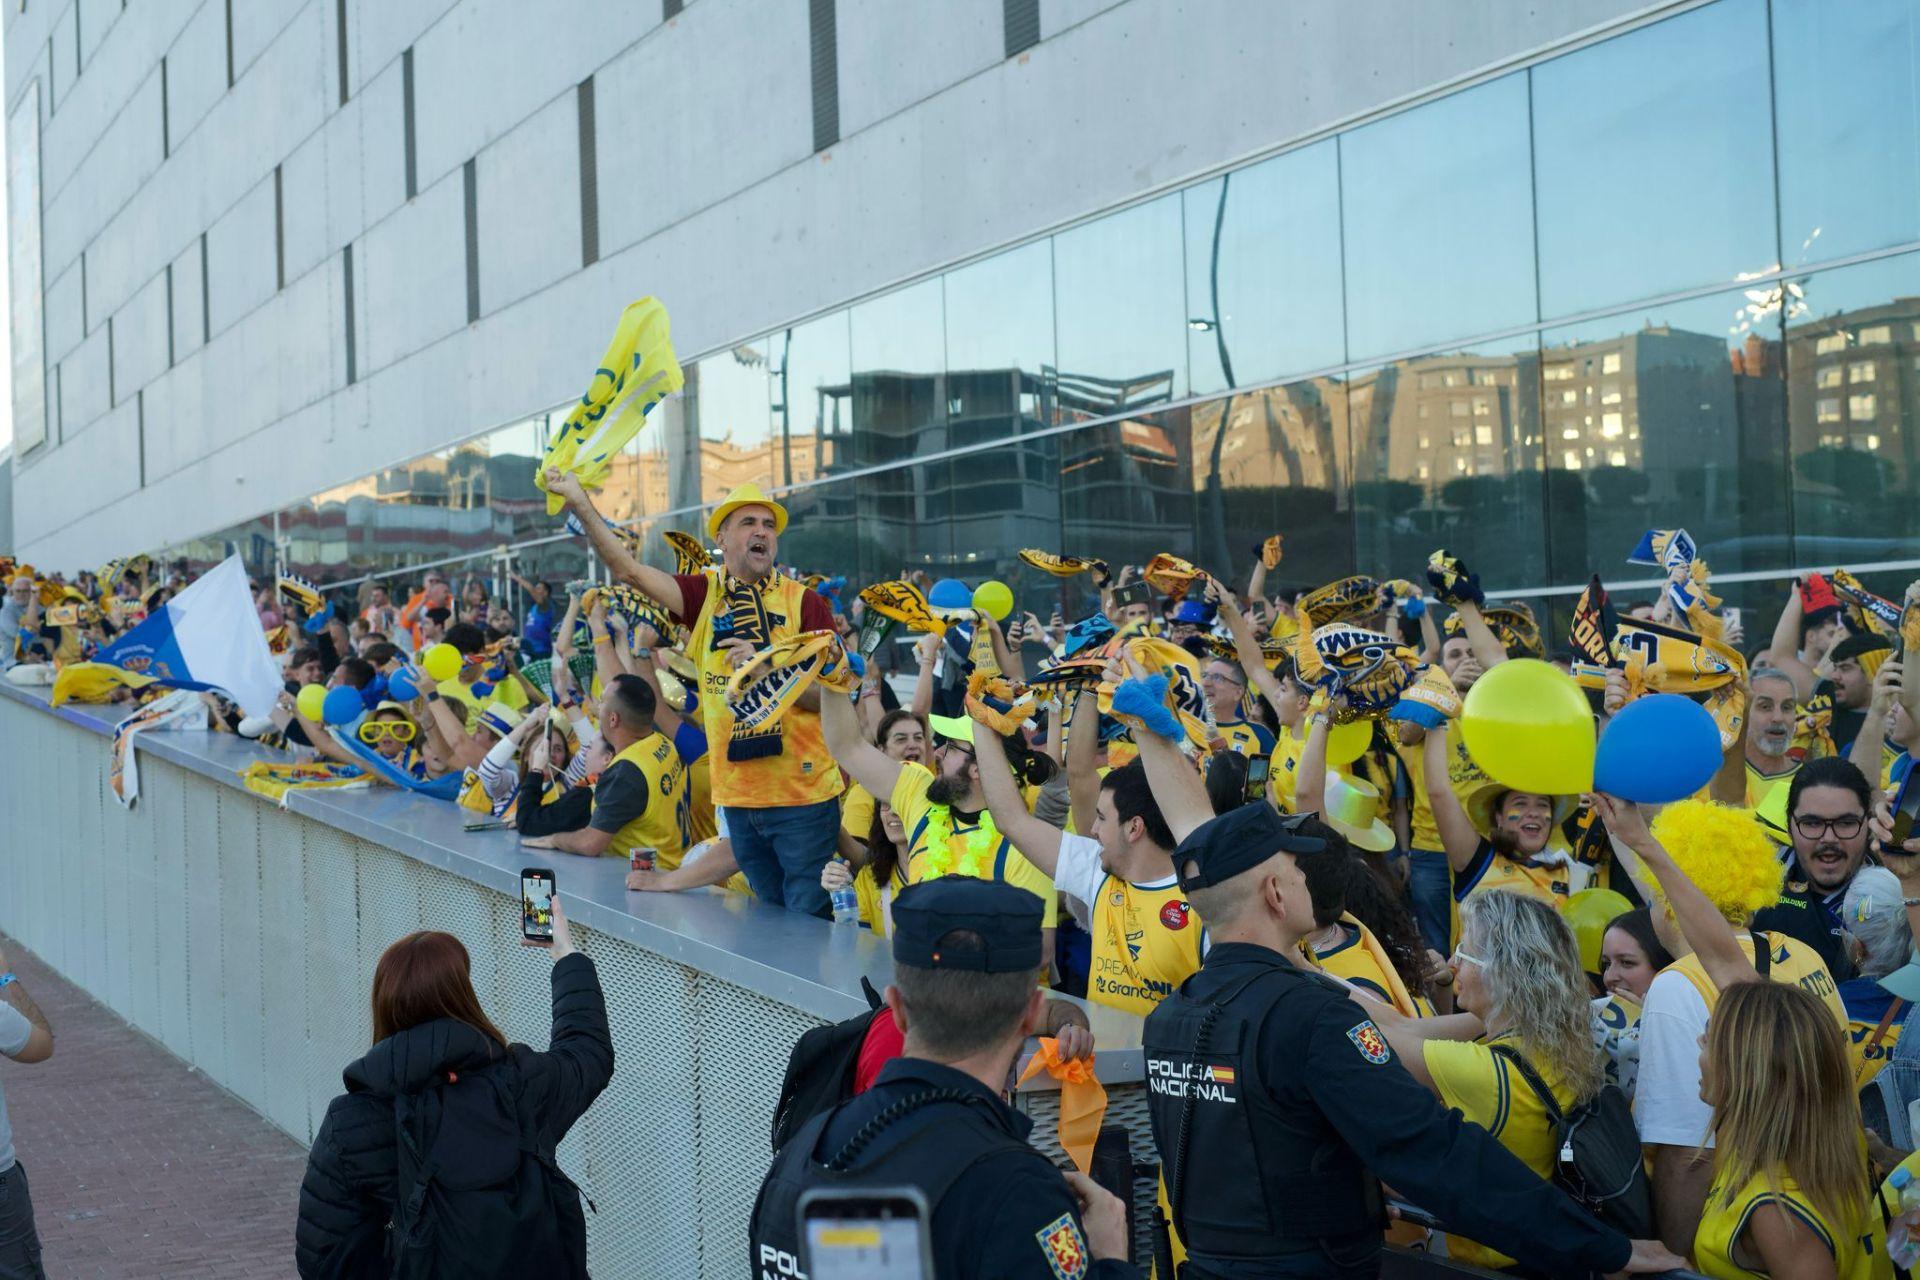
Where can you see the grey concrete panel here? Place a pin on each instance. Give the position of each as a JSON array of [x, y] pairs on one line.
[[140, 339], [124, 157], [258, 23], [415, 275], [303, 186], [529, 205], [197, 68], [83, 386], [61, 312], [892, 55], [240, 261], [379, 29]]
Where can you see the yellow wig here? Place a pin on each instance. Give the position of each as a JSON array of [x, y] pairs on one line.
[[1723, 851]]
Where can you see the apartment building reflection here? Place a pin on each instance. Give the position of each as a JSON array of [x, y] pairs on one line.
[[1853, 381]]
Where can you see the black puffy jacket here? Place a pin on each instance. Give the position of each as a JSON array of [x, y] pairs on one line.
[[347, 1198]]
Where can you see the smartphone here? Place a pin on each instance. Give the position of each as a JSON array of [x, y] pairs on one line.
[[484, 824], [1731, 617], [1906, 808], [869, 1233], [1258, 768], [536, 904]]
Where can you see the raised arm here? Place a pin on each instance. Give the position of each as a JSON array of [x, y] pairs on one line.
[[1177, 785], [1003, 653], [1701, 923], [1457, 835], [1037, 841], [1486, 645], [665, 718], [612, 551], [925, 650], [1784, 649], [1246, 645], [1310, 785], [871, 767], [1868, 743], [1430, 642], [1083, 758]]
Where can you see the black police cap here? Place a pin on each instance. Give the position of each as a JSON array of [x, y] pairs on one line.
[[1005, 922], [1240, 840]]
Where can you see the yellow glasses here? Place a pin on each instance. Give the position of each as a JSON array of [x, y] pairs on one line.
[[373, 731]]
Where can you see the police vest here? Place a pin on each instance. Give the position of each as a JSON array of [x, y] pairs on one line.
[[932, 1157], [666, 824], [1242, 1180]]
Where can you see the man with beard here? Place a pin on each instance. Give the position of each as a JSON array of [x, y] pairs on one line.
[[943, 805], [1773, 712], [777, 787], [1855, 662], [1827, 808]]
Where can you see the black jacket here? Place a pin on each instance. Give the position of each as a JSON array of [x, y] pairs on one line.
[[347, 1198]]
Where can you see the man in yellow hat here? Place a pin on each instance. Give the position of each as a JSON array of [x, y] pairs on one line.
[[777, 788]]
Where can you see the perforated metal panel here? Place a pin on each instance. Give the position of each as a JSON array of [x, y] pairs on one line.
[[243, 947], [119, 857], [205, 922], [283, 921], [1127, 1107], [339, 1021], [738, 1082], [163, 807]]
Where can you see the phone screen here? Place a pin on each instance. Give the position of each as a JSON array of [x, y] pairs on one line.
[[867, 1235], [1257, 769], [536, 903], [1906, 809]]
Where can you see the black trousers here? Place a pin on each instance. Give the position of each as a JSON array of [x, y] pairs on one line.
[[19, 1242]]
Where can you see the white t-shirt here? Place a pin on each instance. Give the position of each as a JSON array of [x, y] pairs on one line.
[[1666, 1099], [1079, 873], [15, 1031]]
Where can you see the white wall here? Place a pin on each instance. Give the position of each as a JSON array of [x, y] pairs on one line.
[[710, 196]]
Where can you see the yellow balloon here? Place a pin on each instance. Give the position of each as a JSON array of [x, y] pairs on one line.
[[312, 701], [441, 662], [995, 599], [1587, 913], [1529, 727], [1348, 742]]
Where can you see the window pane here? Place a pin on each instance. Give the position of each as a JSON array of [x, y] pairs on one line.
[[905, 521], [899, 349], [1126, 488], [807, 389], [1465, 476], [727, 399], [1274, 248], [1274, 461], [1653, 160], [1697, 441], [999, 312], [1439, 221], [1121, 298], [823, 532], [1856, 451], [1847, 90]]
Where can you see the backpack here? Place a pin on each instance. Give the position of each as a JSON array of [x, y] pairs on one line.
[[1598, 1157], [476, 1196], [820, 1070]]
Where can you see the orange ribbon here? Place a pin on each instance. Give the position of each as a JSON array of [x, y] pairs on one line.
[[1083, 1099]]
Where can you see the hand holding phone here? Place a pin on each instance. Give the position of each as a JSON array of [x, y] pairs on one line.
[[542, 923]]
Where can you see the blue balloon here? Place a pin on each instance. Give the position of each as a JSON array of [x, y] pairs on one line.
[[950, 593], [343, 705], [400, 685], [1660, 748]]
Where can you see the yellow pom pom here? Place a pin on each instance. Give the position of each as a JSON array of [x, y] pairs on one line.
[[1723, 851]]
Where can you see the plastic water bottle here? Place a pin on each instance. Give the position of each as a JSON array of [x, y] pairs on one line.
[[846, 903], [1903, 1234]]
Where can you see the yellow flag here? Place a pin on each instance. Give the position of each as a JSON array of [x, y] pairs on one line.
[[637, 372]]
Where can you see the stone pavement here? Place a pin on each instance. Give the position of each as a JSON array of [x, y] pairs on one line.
[[139, 1165]]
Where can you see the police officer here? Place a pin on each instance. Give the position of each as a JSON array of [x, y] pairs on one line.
[[1278, 1106], [966, 956]]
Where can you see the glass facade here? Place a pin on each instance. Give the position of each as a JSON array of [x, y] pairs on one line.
[[1668, 278]]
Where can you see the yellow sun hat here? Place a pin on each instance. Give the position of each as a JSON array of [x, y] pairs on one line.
[[1352, 807], [746, 495]]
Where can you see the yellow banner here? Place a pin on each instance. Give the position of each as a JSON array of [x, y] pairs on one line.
[[638, 371]]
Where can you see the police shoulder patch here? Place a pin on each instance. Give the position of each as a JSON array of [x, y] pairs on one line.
[[1372, 1045], [1065, 1248]]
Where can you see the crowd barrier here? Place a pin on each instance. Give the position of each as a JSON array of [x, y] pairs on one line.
[[242, 936]]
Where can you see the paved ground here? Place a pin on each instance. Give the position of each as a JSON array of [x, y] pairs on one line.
[[140, 1166]]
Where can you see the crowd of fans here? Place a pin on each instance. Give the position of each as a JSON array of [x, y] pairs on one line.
[[1738, 964]]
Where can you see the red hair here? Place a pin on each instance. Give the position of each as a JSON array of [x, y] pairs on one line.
[[422, 977]]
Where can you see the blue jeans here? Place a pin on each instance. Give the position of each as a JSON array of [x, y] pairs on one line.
[[1432, 892], [781, 850]]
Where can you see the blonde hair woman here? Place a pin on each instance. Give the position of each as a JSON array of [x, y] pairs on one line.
[[1791, 1193], [1517, 974]]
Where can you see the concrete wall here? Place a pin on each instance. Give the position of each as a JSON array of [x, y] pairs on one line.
[[710, 196]]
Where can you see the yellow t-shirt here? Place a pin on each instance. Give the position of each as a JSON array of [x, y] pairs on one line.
[[665, 825], [1146, 939], [1859, 1248], [1789, 960], [1355, 961], [1247, 739], [1001, 862], [1284, 775], [874, 901], [1760, 784], [856, 812], [508, 692], [1491, 1092]]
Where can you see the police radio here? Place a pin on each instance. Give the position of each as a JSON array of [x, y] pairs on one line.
[[866, 1233]]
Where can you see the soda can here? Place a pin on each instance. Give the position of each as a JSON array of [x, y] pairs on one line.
[[643, 859]]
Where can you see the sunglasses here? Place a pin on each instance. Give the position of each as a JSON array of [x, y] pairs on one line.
[[374, 731]]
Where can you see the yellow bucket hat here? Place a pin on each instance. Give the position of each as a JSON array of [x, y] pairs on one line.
[[746, 495]]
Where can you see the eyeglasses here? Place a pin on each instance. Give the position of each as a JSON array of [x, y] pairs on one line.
[[1465, 957], [954, 744], [1223, 677], [374, 731], [1846, 827]]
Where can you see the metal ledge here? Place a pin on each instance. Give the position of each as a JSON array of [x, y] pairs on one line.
[[799, 961]]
